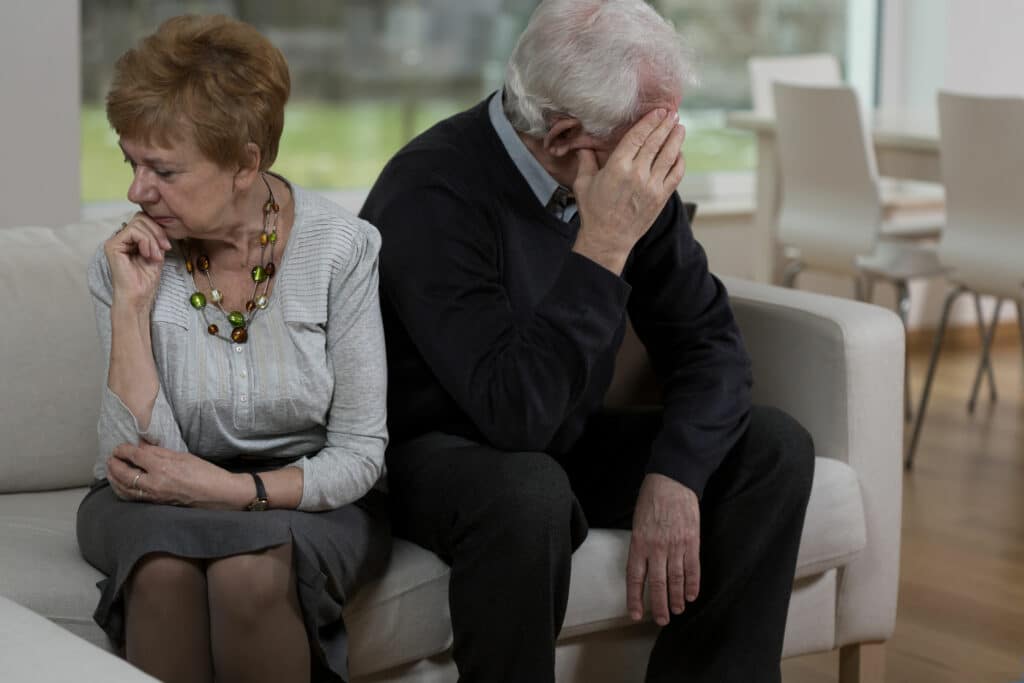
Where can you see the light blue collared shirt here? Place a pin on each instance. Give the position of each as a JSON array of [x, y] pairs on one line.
[[536, 176]]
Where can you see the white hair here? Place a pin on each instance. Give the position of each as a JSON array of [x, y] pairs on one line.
[[595, 60]]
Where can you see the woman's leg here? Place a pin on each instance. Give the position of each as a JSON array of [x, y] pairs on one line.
[[167, 622], [256, 627]]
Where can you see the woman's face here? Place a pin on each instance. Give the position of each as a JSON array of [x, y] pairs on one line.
[[180, 189]]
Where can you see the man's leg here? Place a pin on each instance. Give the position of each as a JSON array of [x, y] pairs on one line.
[[752, 515], [507, 524]]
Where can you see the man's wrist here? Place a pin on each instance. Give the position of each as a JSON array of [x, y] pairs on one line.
[[610, 258]]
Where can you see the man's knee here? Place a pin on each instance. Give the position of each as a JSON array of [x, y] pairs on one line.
[[530, 494], [785, 447]]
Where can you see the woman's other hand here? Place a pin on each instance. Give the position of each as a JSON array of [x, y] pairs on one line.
[[136, 257], [152, 474]]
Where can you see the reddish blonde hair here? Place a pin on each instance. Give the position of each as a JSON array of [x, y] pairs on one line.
[[212, 77]]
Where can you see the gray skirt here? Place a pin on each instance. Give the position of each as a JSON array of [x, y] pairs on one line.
[[335, 552]]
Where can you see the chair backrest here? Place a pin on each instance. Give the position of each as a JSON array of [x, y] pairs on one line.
[[830, 206], [982, 153], [809, 69]]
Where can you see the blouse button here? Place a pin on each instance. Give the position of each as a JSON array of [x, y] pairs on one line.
[[244, 398], [244, 373], [238, 349]]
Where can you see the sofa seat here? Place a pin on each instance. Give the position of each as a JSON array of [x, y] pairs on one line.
[[403, 616]]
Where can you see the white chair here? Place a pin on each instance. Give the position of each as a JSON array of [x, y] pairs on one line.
[[807, 69], [982, 157], [912, 210], [831, 215]]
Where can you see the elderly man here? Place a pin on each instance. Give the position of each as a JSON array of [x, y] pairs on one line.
[[517, 236]]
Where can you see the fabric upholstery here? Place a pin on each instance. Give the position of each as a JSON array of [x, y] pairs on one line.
[[835, 365], [50, 361]]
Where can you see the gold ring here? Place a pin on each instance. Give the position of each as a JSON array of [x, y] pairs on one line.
[[135, 482]]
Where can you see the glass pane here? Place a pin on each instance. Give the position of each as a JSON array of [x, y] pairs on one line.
[[368, 75]]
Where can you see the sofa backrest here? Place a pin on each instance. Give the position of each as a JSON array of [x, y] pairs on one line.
[[49, 357]]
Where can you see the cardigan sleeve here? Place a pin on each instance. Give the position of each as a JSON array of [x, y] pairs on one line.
[[681, 313], [117, 424], [352, 460]]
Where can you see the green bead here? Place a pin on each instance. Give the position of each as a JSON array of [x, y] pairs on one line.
[[273, 237], [236, 319], [259, 273], [198, 300]]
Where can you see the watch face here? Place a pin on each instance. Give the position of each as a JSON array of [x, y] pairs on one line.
[[258, 505]]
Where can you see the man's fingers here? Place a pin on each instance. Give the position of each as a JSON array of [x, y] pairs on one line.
[[586, 162], [691, 565], [657, 588], [655, 143], [668, 153], [636, 571], [635, 137], [676, 580]]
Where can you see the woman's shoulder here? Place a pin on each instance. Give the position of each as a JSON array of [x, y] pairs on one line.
[[326, 230]]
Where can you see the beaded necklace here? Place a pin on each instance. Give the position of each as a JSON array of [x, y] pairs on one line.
[[261, 276]]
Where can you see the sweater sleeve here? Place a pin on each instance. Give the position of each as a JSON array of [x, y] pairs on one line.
[[515, 376], [682, 315], [352, 460], [117, 424]]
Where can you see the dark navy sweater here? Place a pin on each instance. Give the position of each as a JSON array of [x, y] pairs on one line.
[[496, 330]]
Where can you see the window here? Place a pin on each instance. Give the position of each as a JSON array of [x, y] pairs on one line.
[[368, 75]]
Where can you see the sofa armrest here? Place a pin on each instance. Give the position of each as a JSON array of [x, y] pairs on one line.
[[837, 367]]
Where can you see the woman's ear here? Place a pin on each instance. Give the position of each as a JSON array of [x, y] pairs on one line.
[[564, 137], [249, 171]]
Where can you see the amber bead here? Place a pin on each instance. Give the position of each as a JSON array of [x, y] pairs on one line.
[[198, 300], [236, 319], [264, 238], [213, 329], [188, 267], [271, 269], [250, 306], [239, 335], [203, 263], [259, 273]]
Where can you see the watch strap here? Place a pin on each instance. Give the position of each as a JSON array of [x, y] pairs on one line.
[[260, 502]]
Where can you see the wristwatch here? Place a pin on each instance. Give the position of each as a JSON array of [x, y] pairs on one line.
[[260, 502]]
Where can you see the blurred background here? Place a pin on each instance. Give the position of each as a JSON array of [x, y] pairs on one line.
[[368, 75]]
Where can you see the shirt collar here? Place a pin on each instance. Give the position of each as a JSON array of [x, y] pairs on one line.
[[536, 176]]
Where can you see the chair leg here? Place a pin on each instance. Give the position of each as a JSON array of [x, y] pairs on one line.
[[922, 406], [985, 362], [793, 269], [862, 663], [903, 309], [869, 290], [1020, 324]]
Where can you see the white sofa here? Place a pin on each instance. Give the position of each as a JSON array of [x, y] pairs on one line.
[[835, 365]]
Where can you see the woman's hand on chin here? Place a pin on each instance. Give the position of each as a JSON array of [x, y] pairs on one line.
[[136, 257]]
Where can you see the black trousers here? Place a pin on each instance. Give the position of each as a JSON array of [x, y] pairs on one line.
[[507, 524]]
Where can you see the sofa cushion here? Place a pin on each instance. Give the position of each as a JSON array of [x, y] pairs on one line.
[[403, 616], [49, 398], [41, 567], [833, 534]]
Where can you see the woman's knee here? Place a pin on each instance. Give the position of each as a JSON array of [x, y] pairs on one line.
[[159, 577], [251, 585]]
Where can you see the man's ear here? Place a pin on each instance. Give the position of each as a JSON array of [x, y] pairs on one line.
[[565, 136], [249, 171]]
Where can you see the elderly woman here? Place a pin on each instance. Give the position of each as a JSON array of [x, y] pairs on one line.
[[242, 426]]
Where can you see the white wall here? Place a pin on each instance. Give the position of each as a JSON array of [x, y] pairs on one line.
[[39, 128]]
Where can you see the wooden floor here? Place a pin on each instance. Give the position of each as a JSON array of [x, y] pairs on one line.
[[961, 603]]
